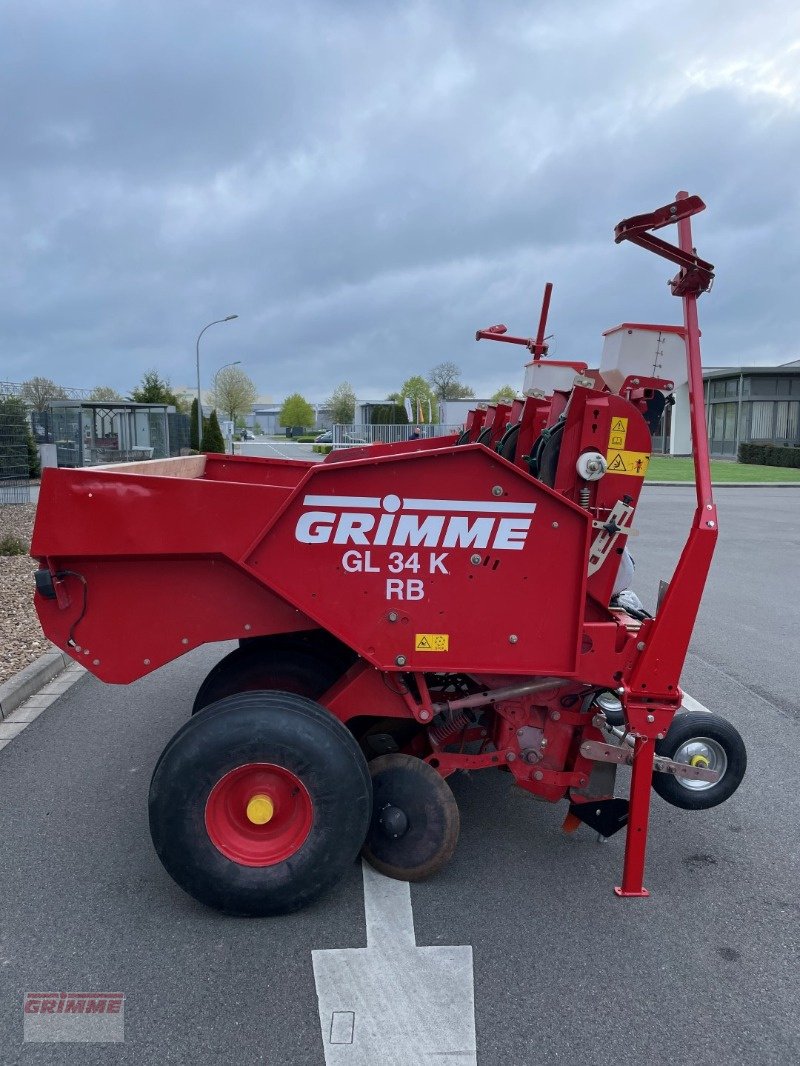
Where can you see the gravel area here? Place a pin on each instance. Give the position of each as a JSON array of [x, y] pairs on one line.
[[21, 638]]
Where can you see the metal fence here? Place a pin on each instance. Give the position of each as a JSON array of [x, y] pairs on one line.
[[14, 456], [358, 435], [14, 388]]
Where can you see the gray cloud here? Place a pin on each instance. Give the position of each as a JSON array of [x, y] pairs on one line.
[[365, 185]]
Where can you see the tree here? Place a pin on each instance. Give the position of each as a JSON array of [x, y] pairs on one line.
[[296, 411], [343, 404], [154, 389], [394, 397], [40, 392], [234, 392], [445, 379], [213, 441], [389, 414], [104, 394], [194, 440], [19, 456], [424, 407], [505, 394]]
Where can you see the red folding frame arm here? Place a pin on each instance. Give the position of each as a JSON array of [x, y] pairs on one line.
[[696, 274], [653, 692], [666, 639], [538, 346]]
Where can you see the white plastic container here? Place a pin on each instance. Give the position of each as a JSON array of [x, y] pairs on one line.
[[650, 351], [543, 378]]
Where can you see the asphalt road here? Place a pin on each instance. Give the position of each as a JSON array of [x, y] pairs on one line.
[[705, 971]]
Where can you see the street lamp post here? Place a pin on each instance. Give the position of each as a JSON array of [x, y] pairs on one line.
[[216, 321]]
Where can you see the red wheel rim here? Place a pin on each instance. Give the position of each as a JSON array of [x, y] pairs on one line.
[[258, 791]]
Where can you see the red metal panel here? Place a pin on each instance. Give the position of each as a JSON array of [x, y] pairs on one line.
[[447, 560], [143, 613], [92, 512], [152, 553]]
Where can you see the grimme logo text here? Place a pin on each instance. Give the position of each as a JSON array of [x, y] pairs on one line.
[[370, 522], [390, 521]]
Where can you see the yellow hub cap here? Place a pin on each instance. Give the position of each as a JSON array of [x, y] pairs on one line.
[[699, 760], [260, 809]]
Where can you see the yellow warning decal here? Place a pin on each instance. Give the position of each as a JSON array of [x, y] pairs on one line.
[[431, 642], [618, 434], [633, 463]]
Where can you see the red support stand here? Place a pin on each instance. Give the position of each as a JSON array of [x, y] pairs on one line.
[[638, 814]]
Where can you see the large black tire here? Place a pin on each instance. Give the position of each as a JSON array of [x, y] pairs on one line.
[[315, 774], [287, 663], [713, 740]]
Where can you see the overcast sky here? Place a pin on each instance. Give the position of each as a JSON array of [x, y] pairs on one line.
[[366, 184]]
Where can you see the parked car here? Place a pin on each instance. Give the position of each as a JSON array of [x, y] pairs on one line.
[[325, 438]]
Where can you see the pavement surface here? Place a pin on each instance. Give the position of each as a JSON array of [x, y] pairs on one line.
[[705, 971]]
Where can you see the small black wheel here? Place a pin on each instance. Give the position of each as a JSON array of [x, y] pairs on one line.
[[485, 436], [260, 804], [706, 740], [463, 437], [415, 820], [383, 736], [508, 443], [288, 662], [547, 454]]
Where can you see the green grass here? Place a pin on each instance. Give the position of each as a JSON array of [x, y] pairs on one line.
[[665, 468], [11, 544]]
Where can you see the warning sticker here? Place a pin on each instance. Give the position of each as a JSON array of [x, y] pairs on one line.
[[633, 463], [618, 434], [431, 642]]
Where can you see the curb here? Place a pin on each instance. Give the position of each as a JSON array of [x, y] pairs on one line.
[[725, 484], [30, 680]]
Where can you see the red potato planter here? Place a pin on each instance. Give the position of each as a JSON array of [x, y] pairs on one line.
[[405, 611]]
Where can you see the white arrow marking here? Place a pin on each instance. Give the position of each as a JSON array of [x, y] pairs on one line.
[[689, 703], [392, 1003]]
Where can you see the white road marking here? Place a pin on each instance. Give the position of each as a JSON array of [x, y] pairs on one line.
[[30, 710], [392, 1003], [691, 704]]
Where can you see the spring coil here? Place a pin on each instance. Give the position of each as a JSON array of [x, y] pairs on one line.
[[439, 734], [585, 496]]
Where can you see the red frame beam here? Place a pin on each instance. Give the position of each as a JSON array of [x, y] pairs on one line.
[[653, 692]]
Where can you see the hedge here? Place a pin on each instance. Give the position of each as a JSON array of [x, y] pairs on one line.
[[322, 449], [769, 455]]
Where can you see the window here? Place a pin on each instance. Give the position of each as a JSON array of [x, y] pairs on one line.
[[718, 424], [781, 420], [793, 428], [732, 387], [763, 386], [730, 421], [761, 421]]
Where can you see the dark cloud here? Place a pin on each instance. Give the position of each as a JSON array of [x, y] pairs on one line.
[[365, 185]]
